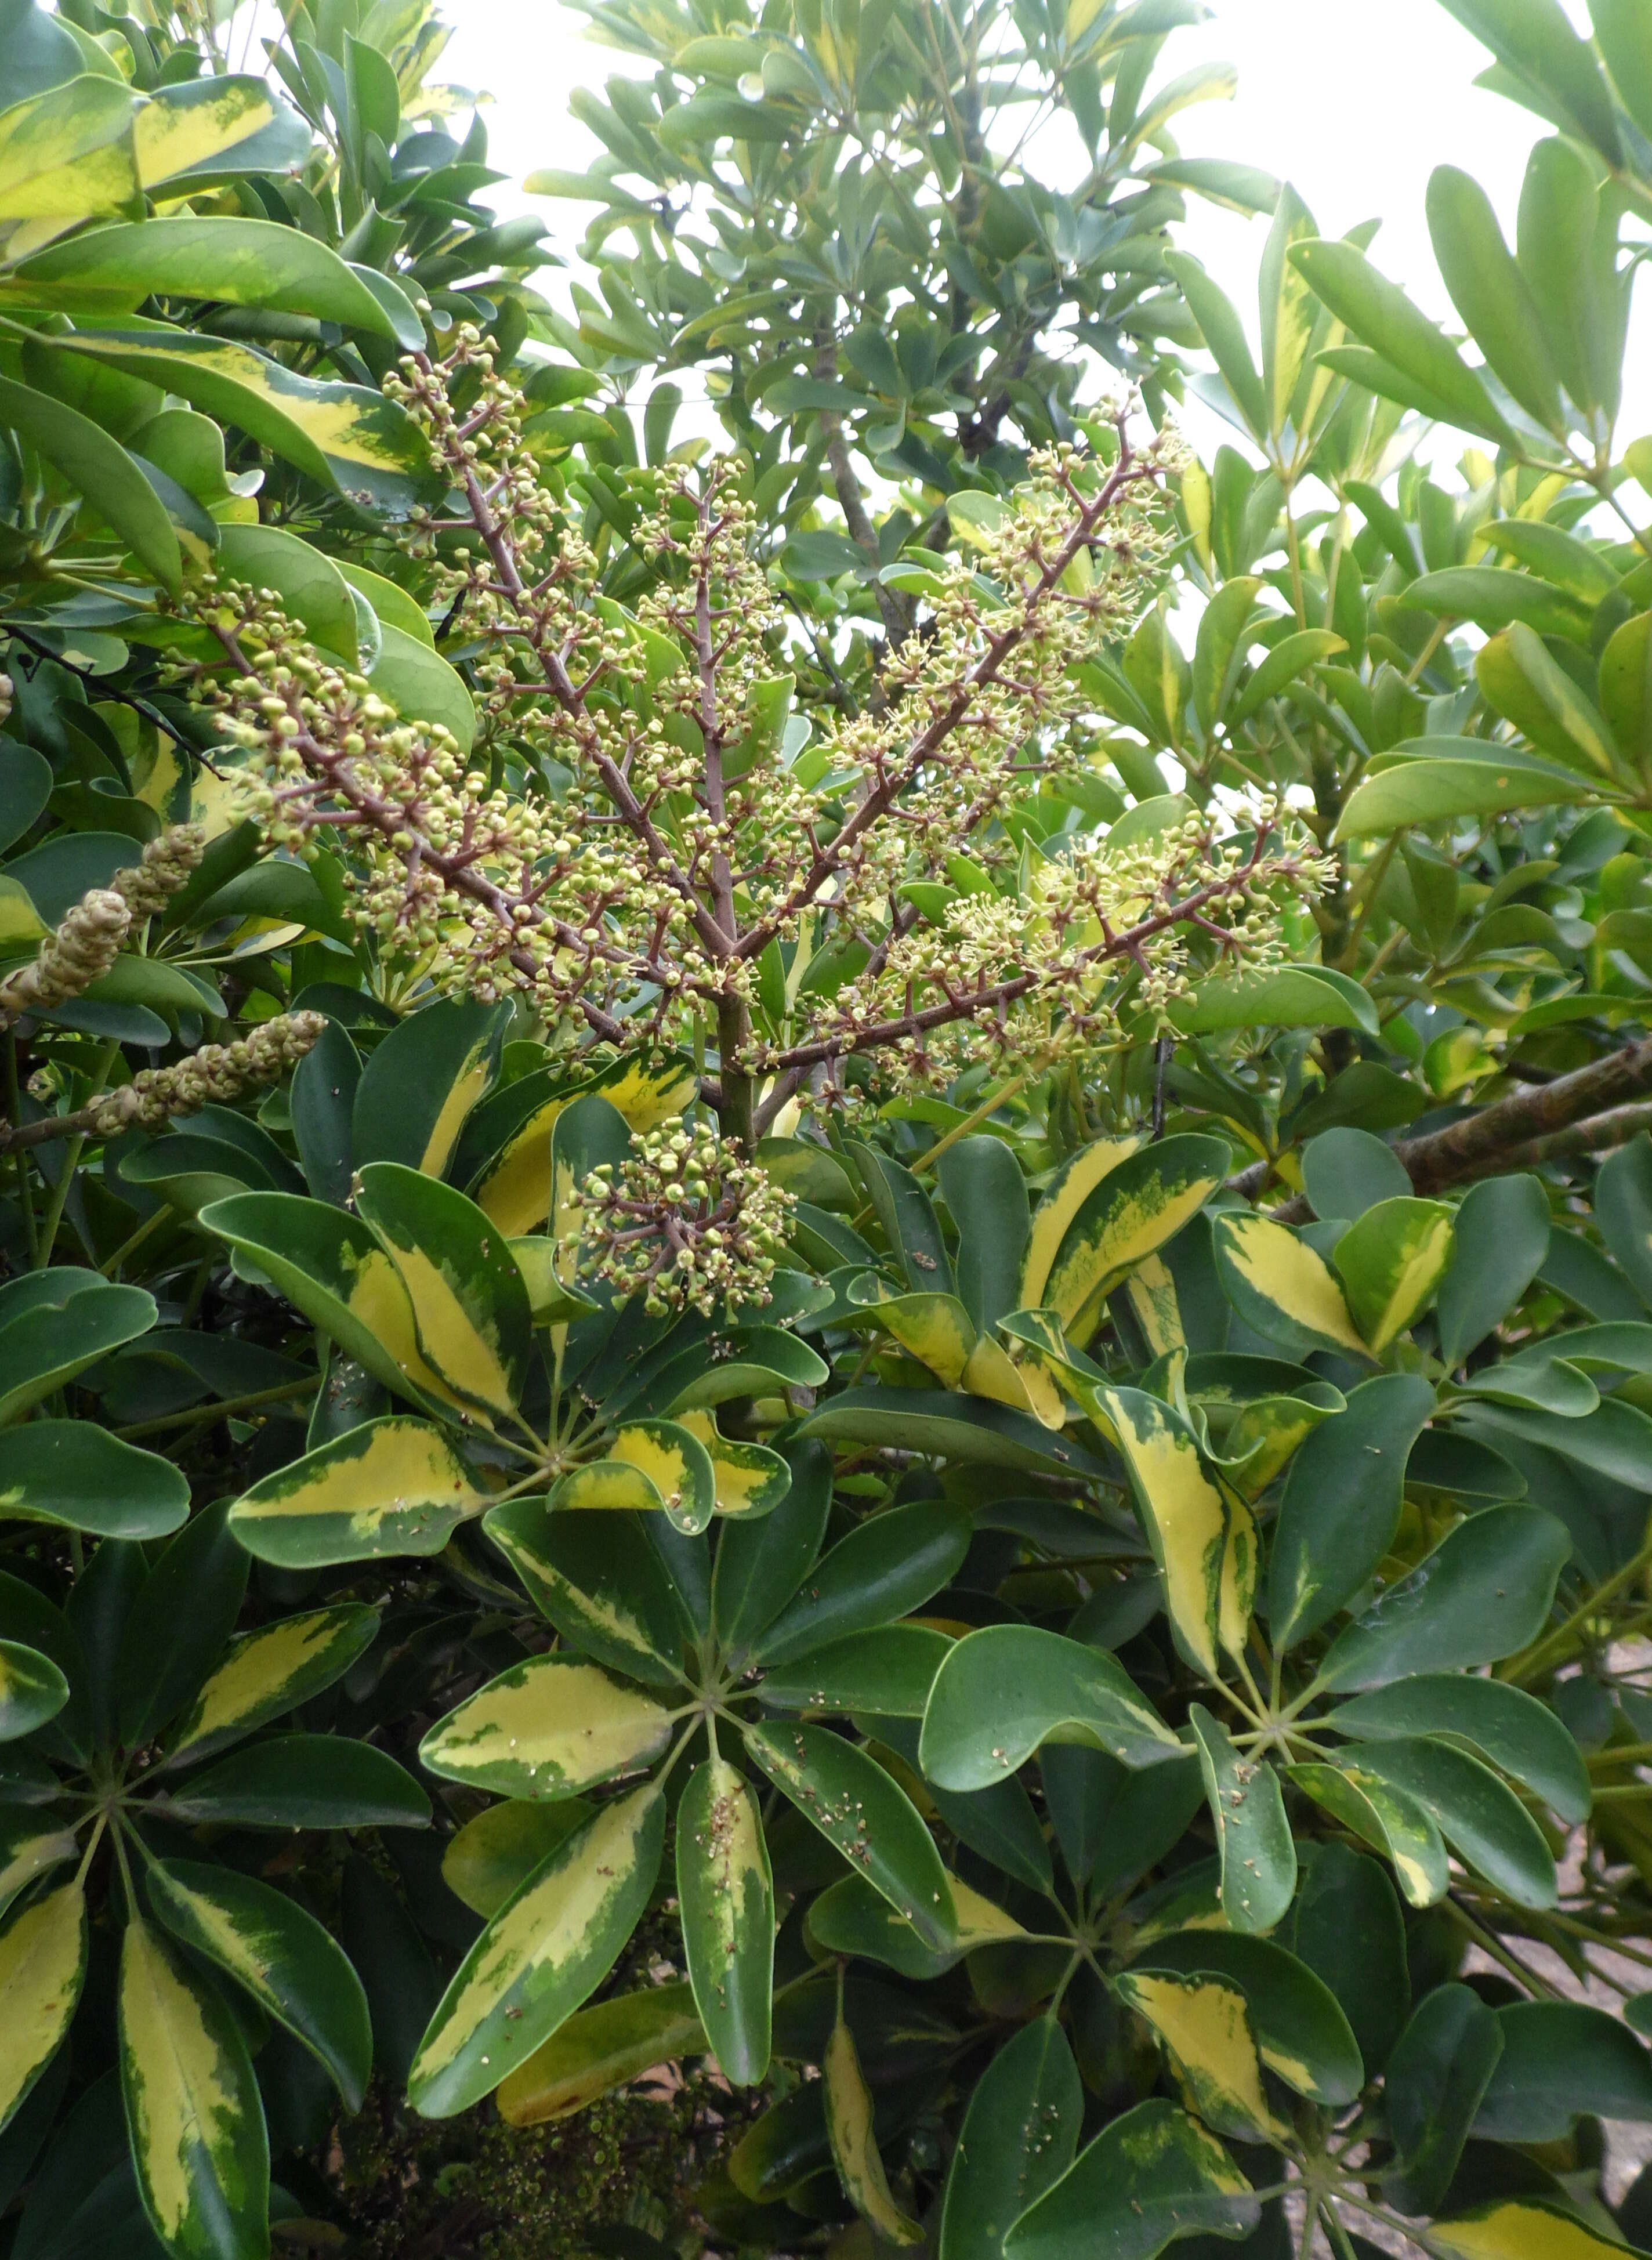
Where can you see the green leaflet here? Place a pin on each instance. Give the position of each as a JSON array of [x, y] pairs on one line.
[[725, 1893], [1019, 2138], [1152, 2175], [77, 1474], [1003, 1691], [1253, 1836], [858, 1807], [546, 1951]]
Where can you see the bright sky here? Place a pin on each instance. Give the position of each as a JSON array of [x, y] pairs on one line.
[[1353, 105]]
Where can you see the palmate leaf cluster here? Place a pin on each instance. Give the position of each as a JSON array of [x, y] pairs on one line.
[[1098, 1693]]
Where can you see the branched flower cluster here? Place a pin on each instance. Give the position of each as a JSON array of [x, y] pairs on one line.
[[689, 839], [686, 1220]]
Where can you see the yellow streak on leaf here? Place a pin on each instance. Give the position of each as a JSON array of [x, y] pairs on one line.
[[453, 1344], [180, 2094], [42, 1956], [561, 1725], [1063, 1197], [463, 1094], [379, 1299], [1185, 1517], [849, 2112], [1203, 2023], [1514, 2230], [1151, 1293], [547, 1925], [259, 1667], [170, 137], [516, 1192], [1284, 1271]]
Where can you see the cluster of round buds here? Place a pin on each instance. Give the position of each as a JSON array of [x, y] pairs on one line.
[[166, 864], [683, 1221], [7, 691], [81, 950], [216, 1072]]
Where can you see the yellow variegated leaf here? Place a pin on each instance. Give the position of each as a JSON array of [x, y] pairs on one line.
[[1062, 1198], [1520, 2229], [21, 925], [1152, 1294], [1206, 1559], [848, 2116], [1203, 2023], [1135, 1209], [469, 1307], [934, 1329], [391, 1486], [1265, 1436], [750, 1479], [378, 1299], [992, 1372], [1280, 1287], [474, 1075], [648, 1091], [171, 136], [544, 1953], [68, 152], [1390, 1261], [607, 1483], [514, 1191], [548, 1727], [342, 435], [1387, 1820], [677, 1464], [28, 1847], [42, 1964], [266, 1673], [192, 2107], [604, 2046]]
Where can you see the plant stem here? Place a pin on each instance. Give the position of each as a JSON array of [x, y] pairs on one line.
[[199, 1414], [971, 1121]]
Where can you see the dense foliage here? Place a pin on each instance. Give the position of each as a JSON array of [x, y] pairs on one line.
[[830, 1262]]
